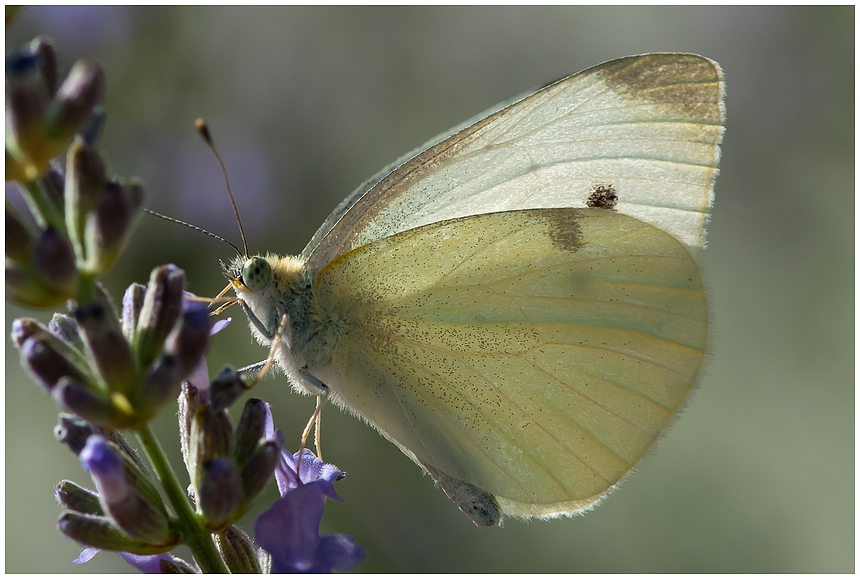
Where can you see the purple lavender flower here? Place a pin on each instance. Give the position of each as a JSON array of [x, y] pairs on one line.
[[86, 555], [312, 470], [289, 531], [161, 563], [99, 459], [190, 338], [131, 504], [199, 377]]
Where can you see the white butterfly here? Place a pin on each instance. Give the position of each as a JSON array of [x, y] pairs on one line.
[[517, 305]]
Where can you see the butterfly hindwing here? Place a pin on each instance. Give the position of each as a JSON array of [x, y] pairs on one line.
[[534, 354]]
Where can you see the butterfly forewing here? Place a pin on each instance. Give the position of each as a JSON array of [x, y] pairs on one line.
[[647, 126]]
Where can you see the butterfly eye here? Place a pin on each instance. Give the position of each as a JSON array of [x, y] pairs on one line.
[[256, 273]]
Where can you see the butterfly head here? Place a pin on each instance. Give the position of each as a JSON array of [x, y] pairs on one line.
[[249, 274], [268, 287]]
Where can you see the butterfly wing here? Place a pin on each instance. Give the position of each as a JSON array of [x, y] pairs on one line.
[[648, 126], [532, 355]]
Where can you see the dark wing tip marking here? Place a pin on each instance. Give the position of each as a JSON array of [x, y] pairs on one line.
[[684, 82]]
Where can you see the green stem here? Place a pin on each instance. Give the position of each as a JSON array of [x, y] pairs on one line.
[[198, 539], [86, 290], [44, 211]]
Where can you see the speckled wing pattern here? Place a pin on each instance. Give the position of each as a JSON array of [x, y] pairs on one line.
[[535, 355], [650, 126]]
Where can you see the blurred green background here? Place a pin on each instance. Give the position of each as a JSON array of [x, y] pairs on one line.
[[306, 103]]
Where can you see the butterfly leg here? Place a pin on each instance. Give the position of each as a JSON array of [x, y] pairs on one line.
[[318, 427], [321, 399], [270, 359], [261, 327], [252, 367]]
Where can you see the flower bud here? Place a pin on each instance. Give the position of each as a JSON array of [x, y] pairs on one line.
[[257, 472], [40, 272], [52, 185], [77, 498], [163, 563], [90, 406], [238, 550], [132, 304], [23, 328], [162, 384], [94, 127], [106, 227], [73, 104], [55, 261], [161, 308], [226, 388], [189, 338], [28, 276], [86, 180], [47, 52], [176, 566], [140, 518], [102, 462], [219, 491], [26, 288], [251, 429], [19, 239], [258, 451], [134, 471], [189, 402], [48, 359], [30, 83], [24, 67], [107, 346], [212, 435], [41, 120], [73, 432], [102, 533], [66, 328]]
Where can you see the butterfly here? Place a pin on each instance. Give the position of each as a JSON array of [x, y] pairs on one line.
[[517, 304]]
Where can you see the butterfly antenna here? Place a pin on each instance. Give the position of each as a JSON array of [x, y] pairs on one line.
[[203, 129], [194, 227]]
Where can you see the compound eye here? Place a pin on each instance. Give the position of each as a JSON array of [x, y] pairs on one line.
[[256, 273]]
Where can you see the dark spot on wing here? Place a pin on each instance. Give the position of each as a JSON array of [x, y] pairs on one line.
[[604, 196], [565, 232]]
